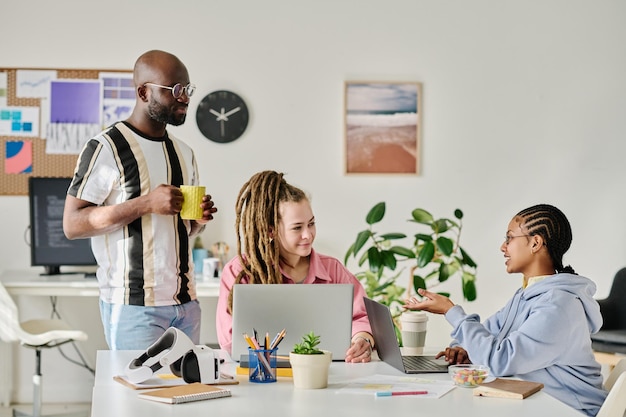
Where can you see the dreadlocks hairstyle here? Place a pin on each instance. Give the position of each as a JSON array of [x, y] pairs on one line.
[[257, 217], [550, 223]]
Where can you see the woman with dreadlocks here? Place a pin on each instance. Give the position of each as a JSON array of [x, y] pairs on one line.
[[543, 332], [275, 225]]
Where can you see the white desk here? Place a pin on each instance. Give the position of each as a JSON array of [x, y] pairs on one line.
[[31, 283], [280, 399]]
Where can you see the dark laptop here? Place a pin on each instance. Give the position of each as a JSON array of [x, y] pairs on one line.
[[387, 344]]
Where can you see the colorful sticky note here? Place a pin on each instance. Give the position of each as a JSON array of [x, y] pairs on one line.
[[18, 157]]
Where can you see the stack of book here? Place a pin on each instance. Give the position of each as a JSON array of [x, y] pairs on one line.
[[283, 367]]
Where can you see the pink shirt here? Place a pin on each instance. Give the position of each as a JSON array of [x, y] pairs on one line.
[[322, 270]]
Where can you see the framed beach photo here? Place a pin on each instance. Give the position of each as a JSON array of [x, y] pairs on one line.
[[382, 125]]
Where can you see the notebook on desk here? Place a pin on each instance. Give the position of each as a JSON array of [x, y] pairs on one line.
[[325, 309], [384, 334]]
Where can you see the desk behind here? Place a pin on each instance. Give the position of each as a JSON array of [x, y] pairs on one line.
[[282, 399], [29, 282]]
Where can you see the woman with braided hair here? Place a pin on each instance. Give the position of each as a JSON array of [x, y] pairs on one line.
[[543, 332], [275, 227]]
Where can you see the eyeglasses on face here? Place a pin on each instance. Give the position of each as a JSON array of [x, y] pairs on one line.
[[509, 238], [178, 89]]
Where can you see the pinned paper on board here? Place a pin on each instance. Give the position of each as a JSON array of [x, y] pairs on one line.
[[18, 157], [118, 97], [33, 83], [19, 121], [75, 115], [4, 86]]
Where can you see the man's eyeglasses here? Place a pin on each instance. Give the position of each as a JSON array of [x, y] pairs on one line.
[[178, 89], [509, 238]]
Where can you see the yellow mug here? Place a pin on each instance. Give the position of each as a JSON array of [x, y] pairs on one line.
[[192, 198]]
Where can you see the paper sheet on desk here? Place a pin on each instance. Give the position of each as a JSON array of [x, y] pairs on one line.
[[371, 384]]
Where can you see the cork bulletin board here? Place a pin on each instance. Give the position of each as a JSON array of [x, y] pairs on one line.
[[47, 114]]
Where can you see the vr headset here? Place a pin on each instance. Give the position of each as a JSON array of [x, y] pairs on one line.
[[195, 363]]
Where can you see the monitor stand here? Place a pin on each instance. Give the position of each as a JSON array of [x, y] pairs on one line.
[[51, 270]]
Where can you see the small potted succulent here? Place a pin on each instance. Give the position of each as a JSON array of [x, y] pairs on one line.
[[310, 364]]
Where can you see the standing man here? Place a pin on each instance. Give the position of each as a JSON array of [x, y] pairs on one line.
[[125, 196]]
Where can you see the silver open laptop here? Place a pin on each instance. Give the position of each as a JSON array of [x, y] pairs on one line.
[[384, 334], [325, 309]]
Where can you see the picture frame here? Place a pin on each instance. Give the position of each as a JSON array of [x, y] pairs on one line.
[[382, 127]]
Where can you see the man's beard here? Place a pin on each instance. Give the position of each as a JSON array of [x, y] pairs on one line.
[[162, 114]]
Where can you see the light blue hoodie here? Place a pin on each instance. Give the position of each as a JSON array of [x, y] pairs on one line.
[[542, 334]]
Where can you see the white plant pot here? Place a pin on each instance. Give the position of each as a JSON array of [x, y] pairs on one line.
[[310, 371]]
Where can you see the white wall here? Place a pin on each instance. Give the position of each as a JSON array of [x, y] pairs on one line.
[[524, 103]]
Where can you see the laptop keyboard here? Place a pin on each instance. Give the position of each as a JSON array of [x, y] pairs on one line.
[[420, 363]]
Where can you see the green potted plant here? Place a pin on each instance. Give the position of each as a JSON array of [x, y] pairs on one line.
[[310, 364], [432, 256]]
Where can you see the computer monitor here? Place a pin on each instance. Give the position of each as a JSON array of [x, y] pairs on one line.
[[48, 245]]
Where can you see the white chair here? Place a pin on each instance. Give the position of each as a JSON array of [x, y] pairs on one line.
[[615, 373], [615, 403], [35, 334]]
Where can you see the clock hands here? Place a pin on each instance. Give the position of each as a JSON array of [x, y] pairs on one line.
[[224, 116], [230, 113]]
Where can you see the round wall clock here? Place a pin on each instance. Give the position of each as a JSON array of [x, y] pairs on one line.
[[222, 116]]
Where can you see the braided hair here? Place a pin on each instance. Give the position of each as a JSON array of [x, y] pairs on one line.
[[551, 224], [256, 222]]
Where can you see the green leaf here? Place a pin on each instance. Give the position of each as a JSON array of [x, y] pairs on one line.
[[361, 239], [426, 255], [418, 282], [424, 237], [458, 214], [374, 259], [445, 294], [349, 253], [422, 216], [444, 273], [402, 251], [376, 213], [469, 290], [447, 270], [440, 226], [389, 260], [466, 259], [445, 245], [392, 236], [363, 258]]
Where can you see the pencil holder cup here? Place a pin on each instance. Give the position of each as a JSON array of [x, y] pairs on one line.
[[262, 365]]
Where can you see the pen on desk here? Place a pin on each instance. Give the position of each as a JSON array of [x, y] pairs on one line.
[[394, 393]]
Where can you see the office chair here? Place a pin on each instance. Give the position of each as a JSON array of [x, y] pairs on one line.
[[34, 334], [612, 336], [615, 403]]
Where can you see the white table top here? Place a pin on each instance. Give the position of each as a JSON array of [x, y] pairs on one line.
[[31, 282], [279, 399]]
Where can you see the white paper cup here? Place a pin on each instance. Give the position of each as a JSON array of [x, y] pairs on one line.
[[209, 268], [414, 324]]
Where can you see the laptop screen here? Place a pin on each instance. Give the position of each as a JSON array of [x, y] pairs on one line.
[[325, 309]]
